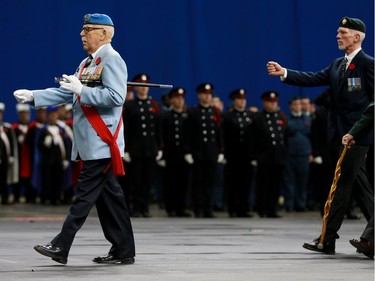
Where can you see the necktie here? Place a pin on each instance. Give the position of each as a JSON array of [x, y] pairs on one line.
[[88, 61], [343, 68]]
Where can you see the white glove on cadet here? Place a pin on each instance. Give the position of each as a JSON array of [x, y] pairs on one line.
[[161, 163], [220, 158], [127, 157], [189, 158], [23, 96], [159, 156], [318, 160], [73, 84]]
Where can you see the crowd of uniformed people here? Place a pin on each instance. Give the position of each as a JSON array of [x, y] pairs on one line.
[[192, 160]]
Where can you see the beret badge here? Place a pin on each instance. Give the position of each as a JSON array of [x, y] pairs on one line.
[[86, 18], [344, 20]]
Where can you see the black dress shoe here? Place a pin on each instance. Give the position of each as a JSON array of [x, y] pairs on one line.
[[328, 247], [364, 247], [53, 252], [110, 259]]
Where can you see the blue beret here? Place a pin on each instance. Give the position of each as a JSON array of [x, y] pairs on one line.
[[100, 19]]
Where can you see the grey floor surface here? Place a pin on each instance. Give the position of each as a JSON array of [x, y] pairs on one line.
[[182, 249]]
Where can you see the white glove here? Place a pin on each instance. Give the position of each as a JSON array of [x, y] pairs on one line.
[[127, 157], [254, 163], [161, 163], [189, 158], [159, 156], [48, 141], [318, 160], [73, 84], [65, 164], [23, 96], [10, 160], [220, 158]]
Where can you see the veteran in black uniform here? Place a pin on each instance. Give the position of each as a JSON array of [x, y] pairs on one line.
[[270, 151], [143, 144], [204, 149], [177, 170], [238, 143], [365, 244], [351, 80]]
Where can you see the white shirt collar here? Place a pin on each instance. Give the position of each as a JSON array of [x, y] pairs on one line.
[[352, 55], [97, 51]]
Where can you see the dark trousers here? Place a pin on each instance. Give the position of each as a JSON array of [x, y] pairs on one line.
[[238, 178], [296, 180], [353, 176], [103, 190], [176, 182], [142, 177], [268, 182], [204, 173]]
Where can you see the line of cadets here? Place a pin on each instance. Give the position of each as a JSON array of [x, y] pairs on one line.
[[193, 159]]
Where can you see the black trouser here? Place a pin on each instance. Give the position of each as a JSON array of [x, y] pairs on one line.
[[176, 182], [143, 172], [353, 176], [268, 182], [239, 173], [204, 173], [103, 190]]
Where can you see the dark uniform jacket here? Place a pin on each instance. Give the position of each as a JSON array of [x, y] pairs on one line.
[[204, 139], [298, 135], [238, 135], [365, 123], [142, 127], [346, 103], [173, 133], [270, 137]]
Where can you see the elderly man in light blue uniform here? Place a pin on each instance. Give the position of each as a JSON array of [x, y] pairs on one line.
[[98, 91]]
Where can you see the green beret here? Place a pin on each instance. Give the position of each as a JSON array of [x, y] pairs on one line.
[[99, 19], [352, 23]]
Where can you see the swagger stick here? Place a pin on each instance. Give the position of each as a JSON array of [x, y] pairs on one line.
[[139, 84], [134, 84], [331, 195]]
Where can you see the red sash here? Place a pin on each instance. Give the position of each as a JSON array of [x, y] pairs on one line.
[[105, 134]]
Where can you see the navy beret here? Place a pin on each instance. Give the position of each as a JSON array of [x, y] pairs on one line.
[[100, 19], [353, 23]]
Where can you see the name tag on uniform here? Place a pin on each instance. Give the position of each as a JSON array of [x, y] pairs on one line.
[[354, 84]]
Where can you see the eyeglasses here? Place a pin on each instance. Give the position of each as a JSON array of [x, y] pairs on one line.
[[89, 29]]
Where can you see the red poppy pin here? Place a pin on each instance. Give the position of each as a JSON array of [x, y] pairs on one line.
[[98, 60], [280, 122], [351, 66], [152, 109], [214, 118]]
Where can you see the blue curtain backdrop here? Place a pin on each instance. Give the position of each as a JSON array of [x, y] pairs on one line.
[[179, 42]]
